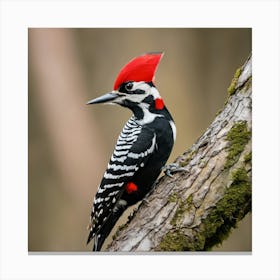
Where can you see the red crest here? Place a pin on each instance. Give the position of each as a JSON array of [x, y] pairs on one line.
[[140, 68]]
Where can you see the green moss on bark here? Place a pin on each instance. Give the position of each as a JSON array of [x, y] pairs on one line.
[[175, 241], [216, 227], [173, 198], [238, 137], [234, 205], [232, 87], [248, 158]]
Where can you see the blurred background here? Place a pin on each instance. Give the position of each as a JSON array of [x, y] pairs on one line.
[[70, 143]]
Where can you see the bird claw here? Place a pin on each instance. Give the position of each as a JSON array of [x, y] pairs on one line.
[[172, 168], [168, 173]]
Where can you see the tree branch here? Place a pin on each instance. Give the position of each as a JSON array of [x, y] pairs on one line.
[[197, 208]]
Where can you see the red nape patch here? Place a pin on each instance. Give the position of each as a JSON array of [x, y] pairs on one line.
[[159, 104], [131, 187]]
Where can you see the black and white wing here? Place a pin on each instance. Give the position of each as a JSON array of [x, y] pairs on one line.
[[134, 146]]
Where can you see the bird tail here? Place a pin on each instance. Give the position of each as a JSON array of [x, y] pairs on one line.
[[106, 228]]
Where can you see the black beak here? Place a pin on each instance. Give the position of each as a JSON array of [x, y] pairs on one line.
[[104, 98]]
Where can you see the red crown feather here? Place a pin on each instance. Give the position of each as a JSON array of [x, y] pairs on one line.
[[141, 68]]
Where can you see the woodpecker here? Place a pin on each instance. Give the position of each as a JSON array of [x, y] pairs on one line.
[[142, 148]]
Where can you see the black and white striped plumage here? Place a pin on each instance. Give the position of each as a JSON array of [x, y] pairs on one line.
[[142, 149]]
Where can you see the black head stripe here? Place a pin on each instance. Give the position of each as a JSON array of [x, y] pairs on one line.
[[149, 99], [138, 91], [151, 84], [127, 88]]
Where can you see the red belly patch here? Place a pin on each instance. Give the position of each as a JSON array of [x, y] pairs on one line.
[[131, 187]]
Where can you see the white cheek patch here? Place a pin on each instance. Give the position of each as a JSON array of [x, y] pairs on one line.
[[138, 98], [154, 92]]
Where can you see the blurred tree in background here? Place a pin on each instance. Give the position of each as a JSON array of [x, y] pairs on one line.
[[69, 143]]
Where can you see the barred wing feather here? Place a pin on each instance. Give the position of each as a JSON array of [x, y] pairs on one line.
[[130, 155]]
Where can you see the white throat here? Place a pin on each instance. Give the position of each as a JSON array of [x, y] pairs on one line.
[[148, 116]]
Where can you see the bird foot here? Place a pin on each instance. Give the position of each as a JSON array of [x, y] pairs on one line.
[[172, 168]]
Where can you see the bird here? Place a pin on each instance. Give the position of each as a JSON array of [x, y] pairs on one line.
[[142, 148]]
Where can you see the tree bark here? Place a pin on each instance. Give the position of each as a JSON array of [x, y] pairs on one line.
[[198, 207]]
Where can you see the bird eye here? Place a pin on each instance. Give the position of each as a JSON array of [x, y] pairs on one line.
[[129, 86]]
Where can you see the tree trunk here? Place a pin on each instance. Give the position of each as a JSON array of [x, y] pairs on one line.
[[198, 207]]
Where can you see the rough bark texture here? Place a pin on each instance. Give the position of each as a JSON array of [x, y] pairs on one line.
[[197, 208]]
